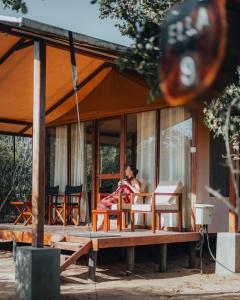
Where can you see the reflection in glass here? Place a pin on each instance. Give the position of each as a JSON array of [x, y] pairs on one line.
[[109, 146]]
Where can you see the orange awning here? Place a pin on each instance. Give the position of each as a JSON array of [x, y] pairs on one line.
[[102, 90]]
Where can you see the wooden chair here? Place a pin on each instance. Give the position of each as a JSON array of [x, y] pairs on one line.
[[71, 203], [167, 198], [116, 210], [51, 193]]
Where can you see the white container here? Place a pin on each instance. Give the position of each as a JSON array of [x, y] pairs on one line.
[[204, 214]]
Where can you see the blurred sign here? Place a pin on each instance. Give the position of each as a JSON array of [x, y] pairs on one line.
[[193, 42]]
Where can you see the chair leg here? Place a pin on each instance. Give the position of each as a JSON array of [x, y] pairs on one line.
[[153, 222], [124, 220], [132, 221], [105, 223], [119, 222], [64, 215], [158, 221], [180, 221], [94, 217]]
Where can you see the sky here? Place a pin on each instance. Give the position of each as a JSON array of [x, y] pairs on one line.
[[75, 15]]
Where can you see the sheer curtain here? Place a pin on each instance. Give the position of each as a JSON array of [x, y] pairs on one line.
[[78, 168], [146, 140], [175, 156], [60, 162]]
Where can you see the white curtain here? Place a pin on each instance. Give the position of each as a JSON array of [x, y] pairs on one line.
[[78, 168], [146, 140], [175, 156], [60, 161]]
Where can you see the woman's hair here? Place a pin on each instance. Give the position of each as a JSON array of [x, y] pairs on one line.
[[133, 169]]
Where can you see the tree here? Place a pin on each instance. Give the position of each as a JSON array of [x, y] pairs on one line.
[[216, 113], [15, 170], [18, 5], [140, 20]]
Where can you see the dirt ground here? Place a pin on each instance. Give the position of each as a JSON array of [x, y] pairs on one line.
[[112, 283]]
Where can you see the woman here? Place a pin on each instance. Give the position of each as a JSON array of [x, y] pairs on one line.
[[125, 186]]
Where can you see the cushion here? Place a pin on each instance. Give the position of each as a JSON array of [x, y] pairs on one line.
[[124, 206], [148, 207], [168, 187]]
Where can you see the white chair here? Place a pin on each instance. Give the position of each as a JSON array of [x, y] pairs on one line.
[[167, 198]]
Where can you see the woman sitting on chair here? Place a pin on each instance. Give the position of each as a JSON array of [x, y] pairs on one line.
[[126, 187]]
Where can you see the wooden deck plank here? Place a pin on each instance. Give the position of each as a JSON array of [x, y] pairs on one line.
[[74, 234]]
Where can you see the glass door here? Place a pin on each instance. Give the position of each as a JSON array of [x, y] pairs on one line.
[[108, 154]]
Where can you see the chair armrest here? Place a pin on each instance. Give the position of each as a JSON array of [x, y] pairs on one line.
[[143, 194], [168, 194]]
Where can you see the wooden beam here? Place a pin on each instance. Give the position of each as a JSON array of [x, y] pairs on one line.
[[11, 50], [194, 156], [192, 255], [163, 258], [94, 164], [38, 166], [83, 250], [98, 52], [233, 218], [25, 45], [157, 149], [130, 258], [92, 264], [14, 134], [16, 122], [123, 140]]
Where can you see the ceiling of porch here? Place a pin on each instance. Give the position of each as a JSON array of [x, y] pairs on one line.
[[102, 90]]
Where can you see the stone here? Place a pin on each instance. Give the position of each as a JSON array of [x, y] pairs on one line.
[[37, 274], [228, 253]]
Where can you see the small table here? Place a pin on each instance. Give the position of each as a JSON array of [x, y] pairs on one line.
[[106, 222], [25, 211]]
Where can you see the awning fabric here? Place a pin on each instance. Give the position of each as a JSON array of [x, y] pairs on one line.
[[102, 90]]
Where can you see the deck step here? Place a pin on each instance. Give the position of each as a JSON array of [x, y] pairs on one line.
[[63, 258], [83, 249], [67, 246]]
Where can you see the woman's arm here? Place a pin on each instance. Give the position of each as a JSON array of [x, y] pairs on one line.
[[135, 186]]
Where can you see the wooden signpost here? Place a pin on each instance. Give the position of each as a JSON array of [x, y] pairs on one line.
[[197, 54]]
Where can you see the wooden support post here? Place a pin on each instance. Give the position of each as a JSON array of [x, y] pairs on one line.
[[192, 255], [38, 165], [92, 264], [130, 258], [233, 218], [163, 258]]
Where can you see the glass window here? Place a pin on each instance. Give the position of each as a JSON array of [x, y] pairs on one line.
[[131, 143], [109, 146], [219, 171]]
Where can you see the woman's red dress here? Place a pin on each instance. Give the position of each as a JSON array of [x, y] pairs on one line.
[[107, 202]]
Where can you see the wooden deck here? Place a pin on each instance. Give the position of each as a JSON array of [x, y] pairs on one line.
[[100, 240]]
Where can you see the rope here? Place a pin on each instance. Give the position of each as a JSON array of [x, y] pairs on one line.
[[75, 87]]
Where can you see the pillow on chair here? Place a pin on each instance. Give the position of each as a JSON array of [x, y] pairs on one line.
[[168, 202]]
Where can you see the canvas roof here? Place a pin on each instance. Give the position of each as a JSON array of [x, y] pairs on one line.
[[102, 89]]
